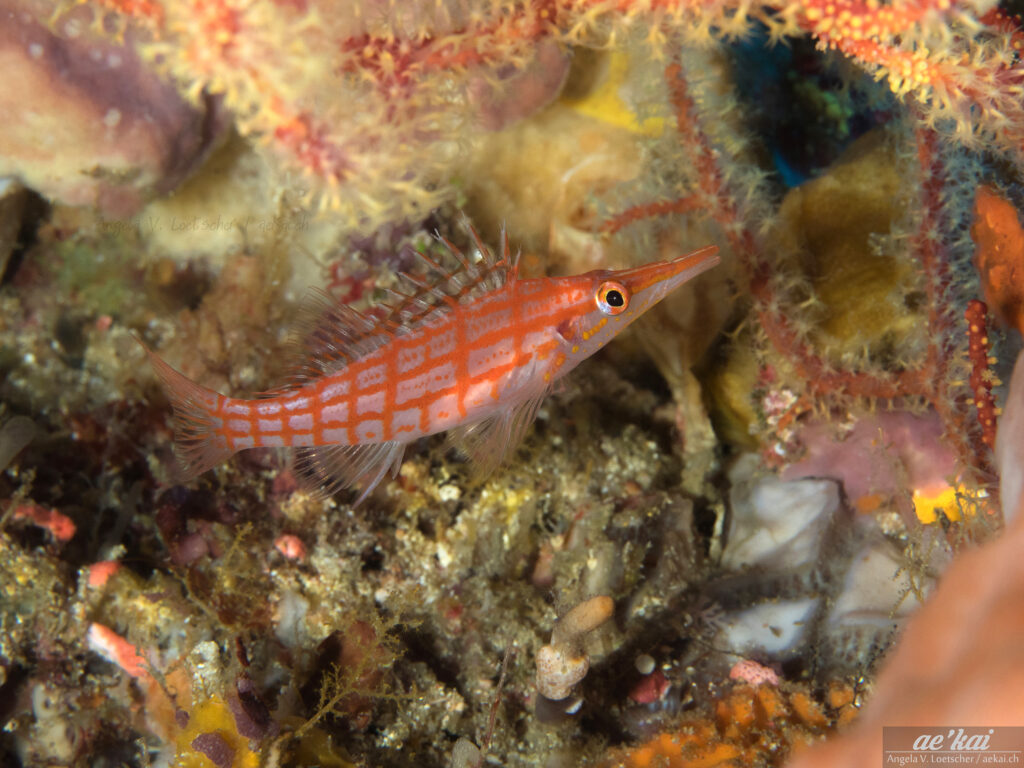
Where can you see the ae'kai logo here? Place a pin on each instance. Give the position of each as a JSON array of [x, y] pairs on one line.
[[955, 740]]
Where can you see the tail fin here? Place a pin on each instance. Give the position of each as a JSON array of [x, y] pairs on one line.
[[199, 439]]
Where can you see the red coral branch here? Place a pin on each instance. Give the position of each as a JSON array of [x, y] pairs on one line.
[[311, 144], [712, 187], [400, 61], [819, 374], [649, 211], [149, 11], [932, 379], [960, 67], [981, 379]]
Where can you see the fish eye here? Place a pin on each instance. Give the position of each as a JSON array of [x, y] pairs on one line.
[[612, 298]]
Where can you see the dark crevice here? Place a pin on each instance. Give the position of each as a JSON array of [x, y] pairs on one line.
[[34, 212], [422, 648]]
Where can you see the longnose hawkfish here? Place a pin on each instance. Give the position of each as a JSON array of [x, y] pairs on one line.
[[473, 351]]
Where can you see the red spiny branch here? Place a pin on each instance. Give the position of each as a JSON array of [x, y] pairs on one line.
[[782, 334], [400, 62], [930, 380], [312, 145], [981, 377], [712, 186], [931, 254], [649, 211]]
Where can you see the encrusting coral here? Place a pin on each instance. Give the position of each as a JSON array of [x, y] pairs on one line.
[[750, 723]]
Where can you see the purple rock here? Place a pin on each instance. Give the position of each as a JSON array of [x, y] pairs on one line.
[[215, 747]]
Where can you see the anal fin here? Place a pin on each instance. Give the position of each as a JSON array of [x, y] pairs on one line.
[[327, 469], [488, 443]]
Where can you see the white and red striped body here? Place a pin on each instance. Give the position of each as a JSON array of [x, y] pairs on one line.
[[459, 369], [469, 363]]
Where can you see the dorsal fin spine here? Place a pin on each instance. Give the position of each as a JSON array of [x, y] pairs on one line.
[[480, 246], [457, 253], [335, 334]]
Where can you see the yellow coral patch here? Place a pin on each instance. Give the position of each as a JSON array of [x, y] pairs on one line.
[[604, 102], [928, 503], [213, 716]]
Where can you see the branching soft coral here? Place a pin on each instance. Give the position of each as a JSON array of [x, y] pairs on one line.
[[959, 61], [369, 105], [372, 104]]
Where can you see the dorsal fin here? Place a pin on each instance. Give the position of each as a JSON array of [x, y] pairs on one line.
[[330, 335], [440, 289]]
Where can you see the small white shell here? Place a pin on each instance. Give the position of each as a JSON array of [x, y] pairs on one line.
[[558, 671]]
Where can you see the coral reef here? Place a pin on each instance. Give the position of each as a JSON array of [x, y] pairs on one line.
[[780, 486]]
